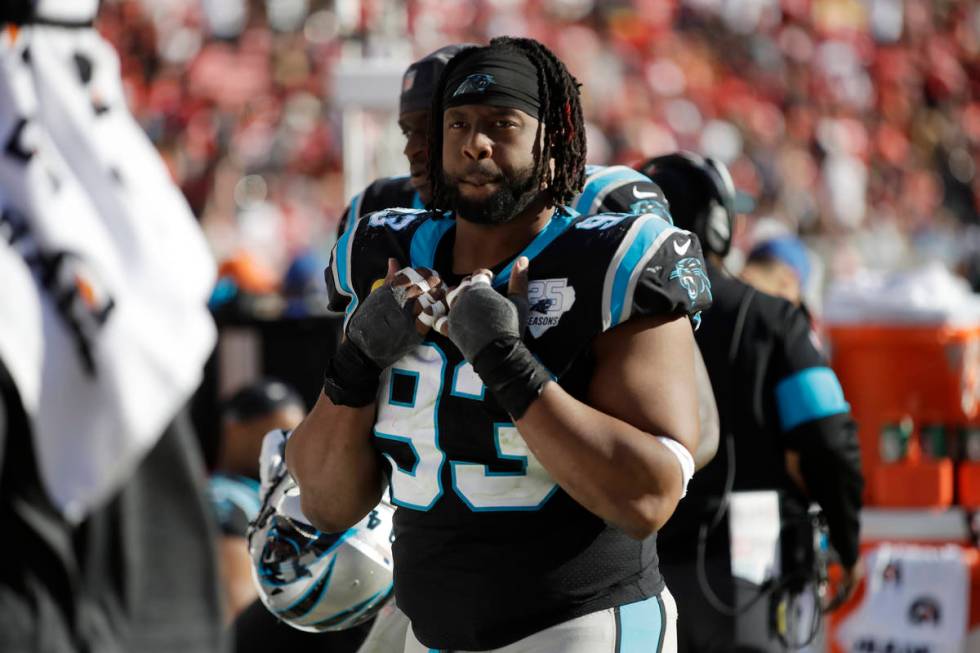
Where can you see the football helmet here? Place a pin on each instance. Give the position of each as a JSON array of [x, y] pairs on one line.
[[312, 580], [701, 195]]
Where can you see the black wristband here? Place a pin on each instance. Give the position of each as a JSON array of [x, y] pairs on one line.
[[512, 374], [351, 378]]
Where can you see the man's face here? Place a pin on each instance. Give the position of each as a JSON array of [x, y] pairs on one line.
[[415, 127], [488, 157]]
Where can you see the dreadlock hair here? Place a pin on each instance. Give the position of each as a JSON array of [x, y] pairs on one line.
[[560, 117]]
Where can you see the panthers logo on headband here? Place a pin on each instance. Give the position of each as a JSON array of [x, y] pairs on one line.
[[690, 274], [475, 83]]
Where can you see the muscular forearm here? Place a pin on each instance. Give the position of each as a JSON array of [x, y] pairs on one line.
[[707, 414], [618, 472], [335, 465]]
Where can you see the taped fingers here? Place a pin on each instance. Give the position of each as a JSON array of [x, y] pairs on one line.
[[430, 307], [481, 277], [442, 326], [415, 279]]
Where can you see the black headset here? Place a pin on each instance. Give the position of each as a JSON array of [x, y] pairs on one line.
[[701, 195]]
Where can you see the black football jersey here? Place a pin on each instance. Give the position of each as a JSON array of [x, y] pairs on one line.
[[488, 548], [384, 193], [619, 189]]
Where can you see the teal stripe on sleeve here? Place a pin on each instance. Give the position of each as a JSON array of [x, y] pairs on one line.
[[601, 181], [353, 214], [642, 626], [811, 394], [340, 256], [650, 229]]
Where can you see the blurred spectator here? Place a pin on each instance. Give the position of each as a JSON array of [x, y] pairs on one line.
[[843, 115], [247, 416], [779, 266]]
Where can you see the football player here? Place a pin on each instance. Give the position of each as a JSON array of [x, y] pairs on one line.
[[536, 441], [607, 189]]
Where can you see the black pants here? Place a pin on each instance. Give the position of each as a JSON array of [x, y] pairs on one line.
[[139, 574], [700, 627]]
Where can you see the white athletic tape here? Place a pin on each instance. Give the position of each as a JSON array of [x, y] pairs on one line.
[[683, 457], [426, 301], [439, 309], [428, 319], [482, 278], [441, 325], [416, 279], [451, 297]]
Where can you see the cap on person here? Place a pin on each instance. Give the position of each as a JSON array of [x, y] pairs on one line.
[[260, 398], [419, 80], [787, 249]]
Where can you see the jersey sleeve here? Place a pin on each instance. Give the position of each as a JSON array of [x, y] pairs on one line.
[[816, 422], [349, 216], [340, 292], [806, 389], [360, 256], [657, 269], [620, 189]]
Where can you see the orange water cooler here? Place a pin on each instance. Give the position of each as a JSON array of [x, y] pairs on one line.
[[914, 391]]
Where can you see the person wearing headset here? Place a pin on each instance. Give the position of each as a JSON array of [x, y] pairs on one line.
[[783, 418]]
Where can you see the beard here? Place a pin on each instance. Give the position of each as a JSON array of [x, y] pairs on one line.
[[513, 195]]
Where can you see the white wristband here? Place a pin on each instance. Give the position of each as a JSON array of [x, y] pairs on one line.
[[683, 456]]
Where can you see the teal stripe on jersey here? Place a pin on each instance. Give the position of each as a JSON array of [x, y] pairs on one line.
[[598, 182], [342, 263], [354, 212], [556, 227], [425, 240], [811, 394], [642, 626], [650, 229], [417, 201]]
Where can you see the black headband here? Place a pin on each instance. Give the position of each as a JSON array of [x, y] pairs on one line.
[[500, 78]]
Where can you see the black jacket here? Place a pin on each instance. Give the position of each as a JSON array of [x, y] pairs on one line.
[[775, 392]]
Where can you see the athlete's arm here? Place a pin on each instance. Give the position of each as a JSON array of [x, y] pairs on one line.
[[820, 434], [604, 453], [330, 453], [335, 465], [707, 415]]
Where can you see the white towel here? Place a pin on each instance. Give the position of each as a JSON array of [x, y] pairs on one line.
[[92, 220]]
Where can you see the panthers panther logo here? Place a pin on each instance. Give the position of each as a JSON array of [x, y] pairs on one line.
[[475, 83], [689, 272]]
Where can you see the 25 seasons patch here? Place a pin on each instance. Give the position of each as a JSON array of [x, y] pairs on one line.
[[548, 300]]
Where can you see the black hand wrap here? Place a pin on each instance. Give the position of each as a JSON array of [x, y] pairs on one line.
[[380, 332], [351, 378], [487, 328], [512, 374]]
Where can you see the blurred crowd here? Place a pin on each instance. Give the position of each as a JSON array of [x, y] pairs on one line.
[[853, 123]]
